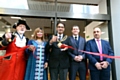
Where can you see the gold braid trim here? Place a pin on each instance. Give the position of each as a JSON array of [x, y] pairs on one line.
[[60, 41], [63, 39]]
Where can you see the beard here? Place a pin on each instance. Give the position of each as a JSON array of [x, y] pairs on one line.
[[21, 32]]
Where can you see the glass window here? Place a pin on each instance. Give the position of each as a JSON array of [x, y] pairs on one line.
[[16, 4], [91, 9]]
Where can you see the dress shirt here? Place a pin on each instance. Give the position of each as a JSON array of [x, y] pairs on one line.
[[60, 35], [76, 36], [97, 43]]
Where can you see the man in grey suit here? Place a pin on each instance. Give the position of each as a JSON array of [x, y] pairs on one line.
[[77, 63]]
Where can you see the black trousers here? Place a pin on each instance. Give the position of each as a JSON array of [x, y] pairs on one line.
[[58, 74], [79, 67], [100, 74]]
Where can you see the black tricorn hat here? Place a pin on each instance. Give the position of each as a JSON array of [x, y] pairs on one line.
[[21, 22]]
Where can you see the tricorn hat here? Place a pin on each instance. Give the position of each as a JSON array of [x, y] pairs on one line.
[[21, 22]]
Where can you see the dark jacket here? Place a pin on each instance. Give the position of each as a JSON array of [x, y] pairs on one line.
[[91, 46], [80, 45], [56, 56]]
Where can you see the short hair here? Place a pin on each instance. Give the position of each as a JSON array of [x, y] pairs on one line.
[[60, 23], [75, 26], [96, 27]]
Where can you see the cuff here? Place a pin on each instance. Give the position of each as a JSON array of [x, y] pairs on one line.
[[4, 42]]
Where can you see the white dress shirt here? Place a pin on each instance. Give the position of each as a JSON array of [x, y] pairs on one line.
[[76, 36], [60, 35]]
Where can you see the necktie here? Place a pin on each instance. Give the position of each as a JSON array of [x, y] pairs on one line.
[[100, 49], [59, 37], [76, 39]]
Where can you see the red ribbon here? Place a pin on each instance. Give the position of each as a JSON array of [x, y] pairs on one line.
[[93, 53]]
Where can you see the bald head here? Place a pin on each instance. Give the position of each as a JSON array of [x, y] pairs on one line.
[[97, 33], [97, 28]]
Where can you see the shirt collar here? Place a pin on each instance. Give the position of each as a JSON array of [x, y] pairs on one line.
[[60, 35], [19, 34], [97, 39], [76, 36]]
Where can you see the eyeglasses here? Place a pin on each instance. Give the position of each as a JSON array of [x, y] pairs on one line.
[[96, 31], [60, 27]]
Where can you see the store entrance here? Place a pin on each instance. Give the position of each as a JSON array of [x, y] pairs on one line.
[[86, 27]]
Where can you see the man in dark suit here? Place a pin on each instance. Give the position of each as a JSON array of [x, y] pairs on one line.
[[58, 58], [99, 66], [77, 63]]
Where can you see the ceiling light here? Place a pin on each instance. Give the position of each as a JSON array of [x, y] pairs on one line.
[[62, 19], [15, 17]]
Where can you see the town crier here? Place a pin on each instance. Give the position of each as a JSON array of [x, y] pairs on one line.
[[13, 63]]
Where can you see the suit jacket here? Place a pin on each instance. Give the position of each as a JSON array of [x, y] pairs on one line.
[[80, 45], [91, 46], [57, 58]]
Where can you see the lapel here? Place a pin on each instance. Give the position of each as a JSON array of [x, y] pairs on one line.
[[56, 43], [63, 36], [102, 44], [95, 45], [73, 41], [79, 42]]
